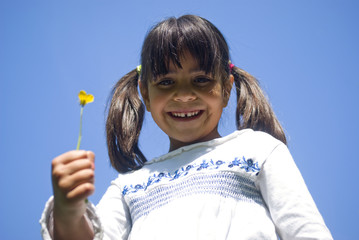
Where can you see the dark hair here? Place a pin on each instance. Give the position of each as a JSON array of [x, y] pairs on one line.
[[124, 123], [166, 43]]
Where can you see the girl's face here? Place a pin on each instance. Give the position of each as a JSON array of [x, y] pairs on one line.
[[186, 103]]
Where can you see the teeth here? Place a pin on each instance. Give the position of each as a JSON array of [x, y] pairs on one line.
[[189, 114]]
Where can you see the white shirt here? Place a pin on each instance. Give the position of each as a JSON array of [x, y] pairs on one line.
[[242, 186]]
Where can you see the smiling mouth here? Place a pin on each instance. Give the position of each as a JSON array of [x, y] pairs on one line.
[[185, 115]]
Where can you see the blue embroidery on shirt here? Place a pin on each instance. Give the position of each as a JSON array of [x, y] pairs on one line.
[[223, 184], [247, 164]]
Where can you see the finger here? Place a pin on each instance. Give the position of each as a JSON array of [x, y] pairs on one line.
[[70, 182], [69, 162], [91, 156], [63, 171], [78, 165], [81, 192], [69, 157]]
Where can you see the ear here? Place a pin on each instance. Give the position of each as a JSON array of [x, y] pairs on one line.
[[227, 87], [144, 94]]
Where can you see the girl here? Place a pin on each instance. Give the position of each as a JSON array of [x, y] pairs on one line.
[[241, 186]]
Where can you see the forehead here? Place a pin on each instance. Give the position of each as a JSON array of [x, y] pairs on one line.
[[186, 62]]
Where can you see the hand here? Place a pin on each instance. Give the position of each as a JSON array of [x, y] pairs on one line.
[[73, 181]]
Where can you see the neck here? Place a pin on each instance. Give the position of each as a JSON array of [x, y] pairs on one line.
[[175, 144]]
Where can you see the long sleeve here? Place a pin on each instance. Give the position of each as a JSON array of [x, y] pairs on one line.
[[109, 220], [47, 221], [291, 206]]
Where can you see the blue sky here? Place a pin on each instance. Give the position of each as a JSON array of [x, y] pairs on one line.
[[304, 53]]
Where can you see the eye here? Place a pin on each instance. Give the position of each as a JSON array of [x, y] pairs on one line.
[[165, 82], [201, 80]]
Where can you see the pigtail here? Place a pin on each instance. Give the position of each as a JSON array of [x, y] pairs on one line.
[[253, 109], [124, 123]]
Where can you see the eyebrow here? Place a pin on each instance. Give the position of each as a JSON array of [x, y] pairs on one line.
[[193, 71], [190, 71]]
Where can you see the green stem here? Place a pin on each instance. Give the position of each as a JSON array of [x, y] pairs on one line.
[[80, 136], [80, 133]]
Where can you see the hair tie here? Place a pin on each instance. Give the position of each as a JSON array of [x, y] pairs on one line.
[[231, 65], [138, 69]]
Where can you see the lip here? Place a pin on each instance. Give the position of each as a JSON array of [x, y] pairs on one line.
[[187, 115]]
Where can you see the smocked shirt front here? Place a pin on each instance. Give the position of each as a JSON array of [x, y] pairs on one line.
[[242, 186]]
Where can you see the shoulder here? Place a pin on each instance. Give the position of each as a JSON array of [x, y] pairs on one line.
[[255, 140], [259, 137], [256, 145]]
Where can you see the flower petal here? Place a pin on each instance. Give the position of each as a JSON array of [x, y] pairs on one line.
[[89, 98], [85, 98]]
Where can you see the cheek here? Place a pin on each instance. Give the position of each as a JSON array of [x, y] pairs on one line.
[[215, 90], [156, 102], [215, 95]]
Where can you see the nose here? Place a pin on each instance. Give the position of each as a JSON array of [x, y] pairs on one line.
[[184, 94]]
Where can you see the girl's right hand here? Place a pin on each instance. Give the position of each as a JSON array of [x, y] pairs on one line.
[[73, 175]]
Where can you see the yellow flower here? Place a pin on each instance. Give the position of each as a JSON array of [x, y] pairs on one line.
[[85, 98]]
